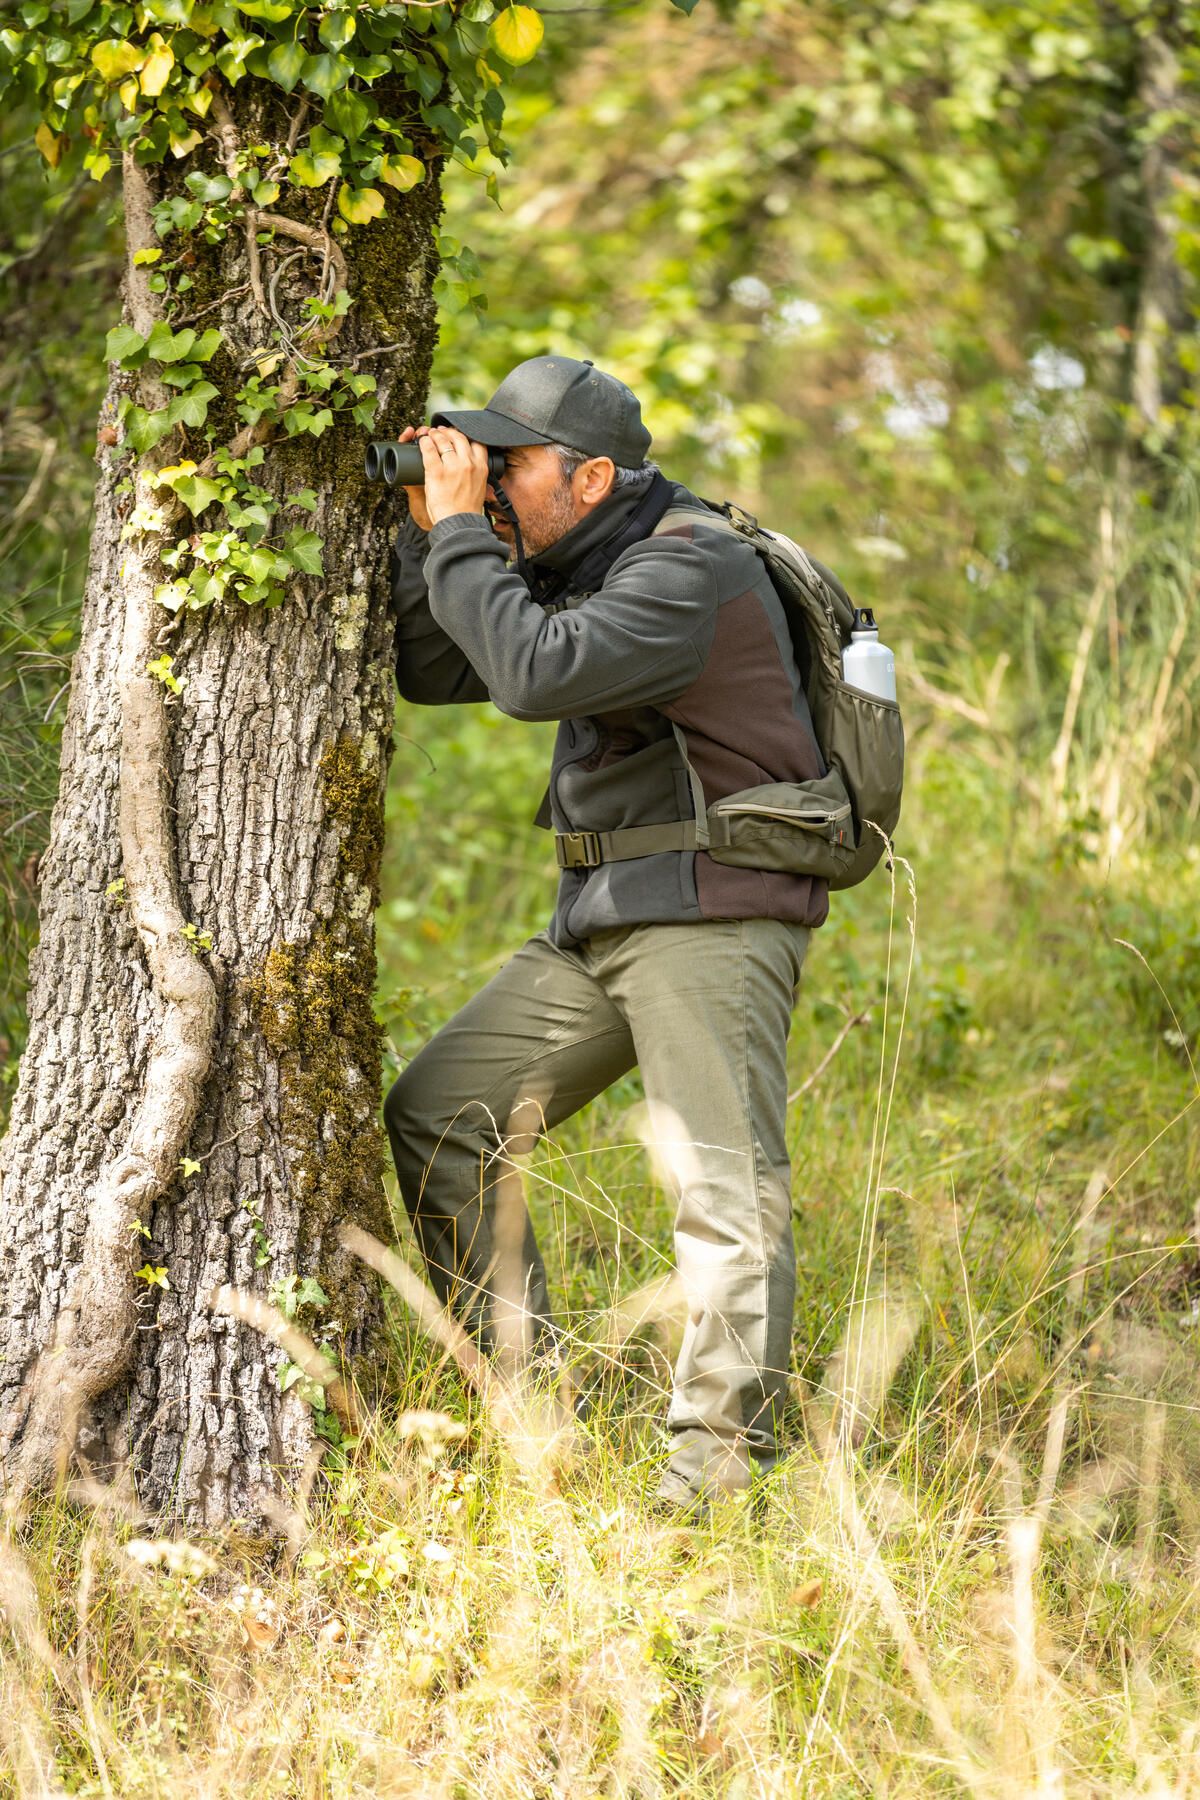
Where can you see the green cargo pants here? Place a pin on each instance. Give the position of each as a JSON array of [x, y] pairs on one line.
[[704, 1010]]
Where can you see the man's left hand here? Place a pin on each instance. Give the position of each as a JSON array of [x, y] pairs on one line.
[[456, 472]]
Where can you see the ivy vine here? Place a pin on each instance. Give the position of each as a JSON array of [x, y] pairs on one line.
[[154, 82]]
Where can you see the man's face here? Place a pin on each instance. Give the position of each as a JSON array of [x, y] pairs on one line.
[[545, 501]]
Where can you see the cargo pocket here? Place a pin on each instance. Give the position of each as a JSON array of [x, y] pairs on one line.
[[791, 827]]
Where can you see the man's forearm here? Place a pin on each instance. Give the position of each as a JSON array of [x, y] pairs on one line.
[[431, 669]]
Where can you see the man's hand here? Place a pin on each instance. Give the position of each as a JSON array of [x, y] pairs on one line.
[[456, 472]]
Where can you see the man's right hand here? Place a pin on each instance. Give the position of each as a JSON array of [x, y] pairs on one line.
[[417, 505]]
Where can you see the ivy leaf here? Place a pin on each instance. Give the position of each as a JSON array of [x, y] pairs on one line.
[[156, 70], [153, 1277], [144, 429], [516, 33], [285, 64], [197, 492], [686, 6], [168, 12], [231, 57], [143, 258], [324, 75], [358, 206], [208, 188], [188, 1167], [273, 11], [477, 11], [350, 113], [321, 161], [192, 408], [265, 193], [311, 1293], [401, 172], [207, 344], [336, 29], [426, 79], [303, 549], [169, 346], [123, 344], [116, 57]]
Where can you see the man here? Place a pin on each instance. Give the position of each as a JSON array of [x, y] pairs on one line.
[[665, 656]]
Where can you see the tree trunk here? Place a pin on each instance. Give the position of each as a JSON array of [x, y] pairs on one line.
[[264, 778]]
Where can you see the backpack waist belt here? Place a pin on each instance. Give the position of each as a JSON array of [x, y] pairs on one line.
[[588, 849]]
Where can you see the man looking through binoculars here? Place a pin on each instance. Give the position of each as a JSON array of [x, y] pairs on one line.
[[585, 587]]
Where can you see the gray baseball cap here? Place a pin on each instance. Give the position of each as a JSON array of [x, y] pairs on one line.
[[556, 400]]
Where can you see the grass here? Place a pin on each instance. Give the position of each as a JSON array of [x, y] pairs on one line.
[[977, 1572]]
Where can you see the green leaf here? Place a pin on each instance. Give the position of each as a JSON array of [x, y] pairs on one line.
[[231, 57], [197, 492], [273, 11], [168, 346], [265, 193], [401, 172], [350, 113], [516, 33], [168, 12], [192, 408], [207, 344], [336, 29], [324, 75], [303, 549], [145, 429], [117, 57], [311, 1293], [285, 64], [208, 188], [358, 206], [123, 344], [477, 11], [321, 161]]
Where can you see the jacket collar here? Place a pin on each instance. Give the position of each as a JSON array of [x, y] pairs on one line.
[[603, 522]]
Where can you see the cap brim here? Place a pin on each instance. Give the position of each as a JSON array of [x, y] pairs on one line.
[[491, 428]]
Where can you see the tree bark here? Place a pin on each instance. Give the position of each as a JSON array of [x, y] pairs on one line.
[[264, 779]]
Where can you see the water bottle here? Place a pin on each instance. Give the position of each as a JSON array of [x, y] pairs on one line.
[[866, 663]]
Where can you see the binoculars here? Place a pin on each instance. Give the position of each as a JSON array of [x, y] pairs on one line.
[[403, 463]]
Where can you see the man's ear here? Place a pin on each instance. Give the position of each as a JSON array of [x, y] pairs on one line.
[[596, 479]]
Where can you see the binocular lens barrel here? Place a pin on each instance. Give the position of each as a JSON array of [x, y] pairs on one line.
[[403, 464], [394, 463]]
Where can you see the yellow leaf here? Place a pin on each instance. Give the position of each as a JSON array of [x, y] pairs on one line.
[[116, 57], [516, 33], [402, 172], [130, 94], [156, 70], [486, 73], [199, 102], [168, 477], [49, 143], [359, 205], [143, 258], [182, 146]]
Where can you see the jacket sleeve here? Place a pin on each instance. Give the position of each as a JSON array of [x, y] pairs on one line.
[[640, 640], [430, 667]]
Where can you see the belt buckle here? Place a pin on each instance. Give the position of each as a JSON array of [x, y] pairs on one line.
[[578, 850]]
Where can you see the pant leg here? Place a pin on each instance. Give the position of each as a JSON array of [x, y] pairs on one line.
[[531, 1048], [709, 1006]]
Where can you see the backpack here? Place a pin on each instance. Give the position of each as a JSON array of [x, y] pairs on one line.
[[839, 825]]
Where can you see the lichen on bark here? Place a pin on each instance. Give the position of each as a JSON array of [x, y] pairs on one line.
[[312, 1004]]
